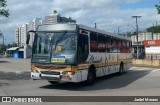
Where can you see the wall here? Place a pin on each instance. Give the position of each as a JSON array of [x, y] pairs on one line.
[[145, 62]]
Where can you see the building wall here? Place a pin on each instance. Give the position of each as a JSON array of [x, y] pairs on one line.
[[141, 37], [21, 32]]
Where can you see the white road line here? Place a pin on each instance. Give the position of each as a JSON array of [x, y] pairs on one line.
[[143, 69], [155, 70]]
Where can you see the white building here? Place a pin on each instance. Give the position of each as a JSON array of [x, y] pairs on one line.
[[21, 32], [141, 38], [21, 35]]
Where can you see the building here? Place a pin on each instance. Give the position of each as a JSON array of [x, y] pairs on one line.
[[21, 31], [56, 18], [141, 38], [152, 49], [17, 31]]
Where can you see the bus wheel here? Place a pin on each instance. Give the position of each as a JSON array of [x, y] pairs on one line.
[[53, 82], [121, 71], [90, 78]]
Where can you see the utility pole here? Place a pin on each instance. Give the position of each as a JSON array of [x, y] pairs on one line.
[[136, 17], [118, 30], [95, 25]]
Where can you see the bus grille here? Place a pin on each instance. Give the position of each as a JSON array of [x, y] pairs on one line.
[[50, 72]]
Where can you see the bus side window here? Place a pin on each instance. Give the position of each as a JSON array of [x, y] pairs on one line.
[[93, 42], [119, 45], [108, 44], [101, 43], [83, 48], [114, 45]]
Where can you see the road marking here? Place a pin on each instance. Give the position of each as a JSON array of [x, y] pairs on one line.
[[155, 70], [18, 72], [143, 69]]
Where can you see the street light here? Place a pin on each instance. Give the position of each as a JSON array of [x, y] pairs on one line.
[[136, 17], [131, 26]]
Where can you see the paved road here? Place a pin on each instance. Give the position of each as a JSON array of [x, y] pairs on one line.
[[15, 81]]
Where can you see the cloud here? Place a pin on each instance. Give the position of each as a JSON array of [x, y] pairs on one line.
[[108, 14], [22, 12], [131, 1]]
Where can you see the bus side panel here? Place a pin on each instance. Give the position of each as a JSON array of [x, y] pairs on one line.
[[106, 63], [80, 75]]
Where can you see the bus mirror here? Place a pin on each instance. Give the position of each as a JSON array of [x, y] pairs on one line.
[[28, 36]]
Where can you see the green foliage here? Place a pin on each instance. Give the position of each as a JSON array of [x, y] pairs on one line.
[[3, 48], [154, 29], [3, 11]]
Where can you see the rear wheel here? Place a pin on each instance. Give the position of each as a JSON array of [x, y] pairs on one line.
[[121, 71], [53, 82]]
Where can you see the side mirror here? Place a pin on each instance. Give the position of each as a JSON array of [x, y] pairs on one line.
[[28, 36]]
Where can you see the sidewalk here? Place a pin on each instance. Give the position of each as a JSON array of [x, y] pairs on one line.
[[14, 65]]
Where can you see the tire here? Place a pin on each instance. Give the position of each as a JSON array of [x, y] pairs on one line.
[[121, 71], [90, 78], [53, 82]]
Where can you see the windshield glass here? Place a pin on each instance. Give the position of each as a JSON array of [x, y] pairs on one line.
[[55, 47], [64, 48], [42, 43]]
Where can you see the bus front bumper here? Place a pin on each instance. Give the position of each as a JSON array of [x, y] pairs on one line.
[[60, 77]]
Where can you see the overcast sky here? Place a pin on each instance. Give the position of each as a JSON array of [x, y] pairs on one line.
[[108, 14]]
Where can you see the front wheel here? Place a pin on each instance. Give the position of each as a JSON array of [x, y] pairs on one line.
[[90, 78]]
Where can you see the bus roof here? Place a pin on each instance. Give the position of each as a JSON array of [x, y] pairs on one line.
[[51, 26], [102, 32]]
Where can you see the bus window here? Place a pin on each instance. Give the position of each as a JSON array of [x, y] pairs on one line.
[[101, 43], [114, 45], [93, 42], [124, 48], [108, 43], [119, 43], [83, 49], [127, 43], [123, 43]]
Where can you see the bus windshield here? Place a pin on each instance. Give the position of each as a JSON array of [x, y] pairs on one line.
[[42, 43], [64, 48], [55, 47]]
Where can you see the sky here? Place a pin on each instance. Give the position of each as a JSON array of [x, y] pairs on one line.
[[108, 14]]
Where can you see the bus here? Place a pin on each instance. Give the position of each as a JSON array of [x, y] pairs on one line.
[[67, 52]]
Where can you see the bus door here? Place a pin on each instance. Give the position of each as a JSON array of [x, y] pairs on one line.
[[83, 46]]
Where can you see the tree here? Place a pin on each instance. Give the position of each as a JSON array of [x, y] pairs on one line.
[[154, 29], [2, 48], [3, 11]]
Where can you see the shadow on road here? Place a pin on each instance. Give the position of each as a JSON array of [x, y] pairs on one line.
[[113, 81], [4, 62], [3, 84], [14, 75]]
